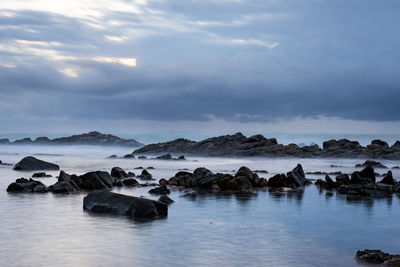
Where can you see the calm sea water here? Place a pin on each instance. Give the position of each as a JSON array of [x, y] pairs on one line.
[[298, 229]]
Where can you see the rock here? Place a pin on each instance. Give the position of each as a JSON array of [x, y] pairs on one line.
[[278, 180], [42, 140], [372, 163], [23, 141], [241, 183], [129, 156], [378, 257], [118, 173], [1, 162], [96, 180], [142, 157], [246, 172], [342, 179], [163, 182], [4, 141], [330, 184], [33, 164], [145, 175], [130, 182], [139, 168], [66, 184], [296, 177], [165, 199], [396, 167], [161, 190], [40, 175], [396, 187], [41, 188], [25, 185], [95, 138], [131, 174], [165, 157], [321, 183], [367, 175], [261, 171], [150, 168], [113, 157], [388, 179], [181, 158], [366, 190], [99, 201]]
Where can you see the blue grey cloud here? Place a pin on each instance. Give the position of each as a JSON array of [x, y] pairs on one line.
[[237, 60]]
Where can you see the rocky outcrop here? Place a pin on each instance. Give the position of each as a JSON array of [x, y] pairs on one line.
[[118, 173], [372, 163], [34, 164], [99, 201], [257, 145], [91, 138], [374, 256]]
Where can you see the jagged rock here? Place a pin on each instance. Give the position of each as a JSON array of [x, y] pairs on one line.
[[367, 175], [388, 179], [372, 163], [165, 199], [278, 180], [96, 180], [145, 175], [66, 183], [40, 175], [296, 177], [378, 257], [33, 164], [99, 201], [161, 190], [118, 173]]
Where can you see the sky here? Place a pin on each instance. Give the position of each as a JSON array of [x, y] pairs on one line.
[[310, 66]]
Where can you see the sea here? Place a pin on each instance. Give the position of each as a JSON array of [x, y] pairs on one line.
[[308, 228]]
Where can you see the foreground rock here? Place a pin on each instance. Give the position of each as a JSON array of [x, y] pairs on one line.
[[117, 204], [34, 164], [375, 256], [257, 145], [91, 138]]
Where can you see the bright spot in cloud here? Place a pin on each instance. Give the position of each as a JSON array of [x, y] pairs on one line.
[[254, 42], [115, 38], [130, 62], [7, 65], [69, 72]]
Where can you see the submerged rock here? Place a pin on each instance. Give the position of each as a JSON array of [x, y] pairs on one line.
[[99, 201], [161, 190], [165, 199], [25, 185], [40, 175], [33, 164]]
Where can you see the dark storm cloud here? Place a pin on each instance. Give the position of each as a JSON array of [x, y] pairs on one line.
[[237, 60]]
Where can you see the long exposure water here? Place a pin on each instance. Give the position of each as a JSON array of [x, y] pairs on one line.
[[265, 229]]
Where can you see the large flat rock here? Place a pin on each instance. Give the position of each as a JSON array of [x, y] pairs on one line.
[[100, 201]]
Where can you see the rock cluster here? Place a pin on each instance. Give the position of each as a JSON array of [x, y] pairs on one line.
[[257, 145], [375, 256], [91, 138]]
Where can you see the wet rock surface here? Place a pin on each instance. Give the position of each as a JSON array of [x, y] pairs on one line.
[[105, 202], [257, 145]]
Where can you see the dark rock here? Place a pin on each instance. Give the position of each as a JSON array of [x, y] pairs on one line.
[[118, 173], [42, 140], [278, 180], [372, 163], [181, 158], [321, 183], [161, 190], [129, 156], [330, 183], [96, 180], [262, 183], [150, 168], [1, 162], [117, 204], [25, 185], [379, 143], [375, 256], [165, 157], [396, 167], [145, 175], [41, 188], [367, 175], [246, 172], [130, 182], [40, 175], [66, 183], [261, 171], [4, 141], [131, 174], [388, 179], [296, 177], [342, 179], [139, 168], [142, 157], [112, 157], [396, 187], [366, 190], [95, 138], [240, 183], [163, 182], [33, 164], [165, 199], [23, 141]]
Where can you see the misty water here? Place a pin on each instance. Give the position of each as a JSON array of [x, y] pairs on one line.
[[264, 229]]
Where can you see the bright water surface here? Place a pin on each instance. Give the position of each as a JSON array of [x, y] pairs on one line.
[[302, 229]]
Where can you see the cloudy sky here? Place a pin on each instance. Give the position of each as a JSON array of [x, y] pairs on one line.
[[209, 65]]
